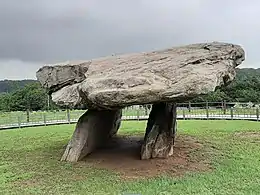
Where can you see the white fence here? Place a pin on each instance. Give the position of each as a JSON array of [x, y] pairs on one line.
[[185, 111]]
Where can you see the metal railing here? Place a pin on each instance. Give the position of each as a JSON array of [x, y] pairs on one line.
[[185, 111]]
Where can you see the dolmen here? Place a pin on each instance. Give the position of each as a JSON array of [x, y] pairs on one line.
[[162, 78]]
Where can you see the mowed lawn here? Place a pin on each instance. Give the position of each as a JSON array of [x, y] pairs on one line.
[[29, 163]]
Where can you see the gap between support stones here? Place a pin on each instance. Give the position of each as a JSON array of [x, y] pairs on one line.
[[160, 131], [93, 128]]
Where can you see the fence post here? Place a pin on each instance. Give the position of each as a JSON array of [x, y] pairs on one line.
[[231, 112], [44, 118], [189, 106], [28, 115], [68, 115], [257, 114], [138, 113], [146, 110], [225, 107], [183, 112], [19, 121], [207, 110]]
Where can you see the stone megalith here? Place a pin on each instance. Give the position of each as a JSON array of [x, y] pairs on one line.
[[162, 78]]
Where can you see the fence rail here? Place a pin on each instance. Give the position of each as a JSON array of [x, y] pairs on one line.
[[185, 111]]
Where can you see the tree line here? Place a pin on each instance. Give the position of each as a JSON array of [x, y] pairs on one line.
[[9, 86], [29, 95], [244, 88]]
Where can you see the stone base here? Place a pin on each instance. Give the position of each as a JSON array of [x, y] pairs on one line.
[[92, 130], [160, 132]]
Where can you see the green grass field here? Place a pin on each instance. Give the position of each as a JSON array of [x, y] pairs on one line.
[[29, 163]]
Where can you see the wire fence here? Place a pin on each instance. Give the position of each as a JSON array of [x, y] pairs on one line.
[[185, 111]]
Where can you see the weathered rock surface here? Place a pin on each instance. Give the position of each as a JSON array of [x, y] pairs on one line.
[[168, 75], [161, 78], [92, 130], [56, 76], [160, 131]]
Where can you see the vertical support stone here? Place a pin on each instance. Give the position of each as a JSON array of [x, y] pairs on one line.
[[116, 122], [93, 128], [160, 131]]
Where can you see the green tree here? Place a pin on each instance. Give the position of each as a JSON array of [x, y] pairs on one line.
[[244, 88], [5, 101], [31, 97]]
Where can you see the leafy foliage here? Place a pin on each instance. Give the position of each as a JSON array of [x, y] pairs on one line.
[[9, 86], [244, 88], [30, 97]]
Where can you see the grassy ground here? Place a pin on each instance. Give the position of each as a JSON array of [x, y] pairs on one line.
[[29, 163]]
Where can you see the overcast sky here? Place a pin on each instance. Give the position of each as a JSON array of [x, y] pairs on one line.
[[35, 32]]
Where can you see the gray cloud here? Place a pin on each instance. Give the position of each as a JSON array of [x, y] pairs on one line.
[[38, 32]]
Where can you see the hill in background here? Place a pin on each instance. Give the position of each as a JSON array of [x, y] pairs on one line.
[[9, 86]]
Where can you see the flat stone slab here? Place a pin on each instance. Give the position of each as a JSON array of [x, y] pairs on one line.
[[169, 75]]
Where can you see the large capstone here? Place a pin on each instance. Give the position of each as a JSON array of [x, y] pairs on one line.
[[169, 75], [162, 78]]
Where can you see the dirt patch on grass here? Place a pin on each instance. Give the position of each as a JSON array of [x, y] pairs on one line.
[[248, 135], [251, 136], [27, 183], [122, 155]]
